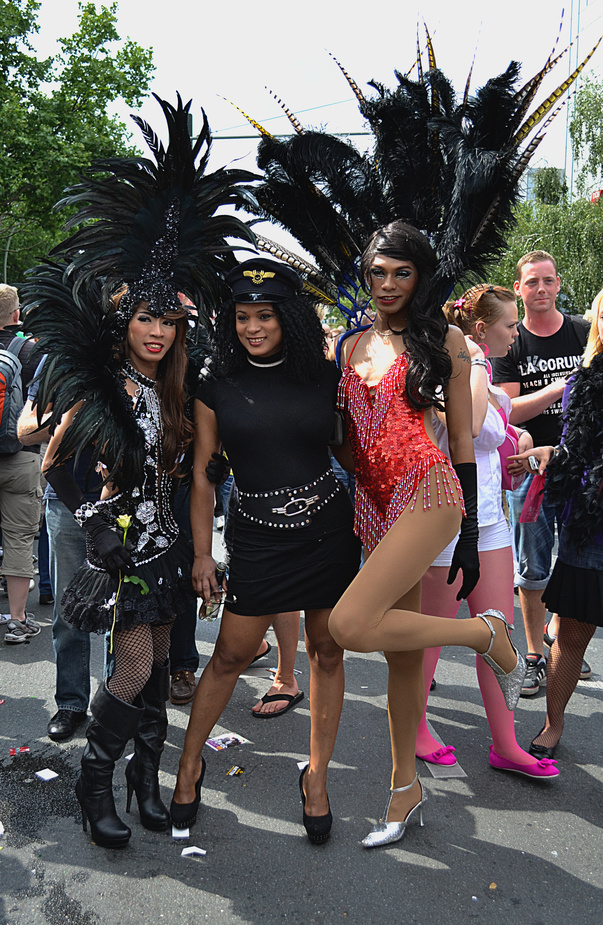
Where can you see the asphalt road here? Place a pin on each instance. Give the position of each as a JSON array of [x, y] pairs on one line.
[[495, 848]]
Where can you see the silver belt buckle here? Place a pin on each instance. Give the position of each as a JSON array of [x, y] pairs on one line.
[[301, 505]]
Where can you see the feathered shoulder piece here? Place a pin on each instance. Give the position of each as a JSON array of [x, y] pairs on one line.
[[75, 334], [155, 224], [577, 473], [447, 164]]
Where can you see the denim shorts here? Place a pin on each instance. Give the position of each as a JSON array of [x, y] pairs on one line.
[[532, 543]]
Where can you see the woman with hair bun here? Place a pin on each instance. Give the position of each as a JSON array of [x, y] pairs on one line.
[[487, 316], [271, 403], [410, 497]]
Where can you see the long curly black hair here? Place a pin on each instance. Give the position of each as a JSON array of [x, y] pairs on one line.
[[430, 366], [304, 344]]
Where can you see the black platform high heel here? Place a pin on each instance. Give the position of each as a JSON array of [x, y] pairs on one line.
[[184, 815], [318, 828]]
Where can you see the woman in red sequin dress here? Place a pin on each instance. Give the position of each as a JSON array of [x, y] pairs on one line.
[[409, 496]]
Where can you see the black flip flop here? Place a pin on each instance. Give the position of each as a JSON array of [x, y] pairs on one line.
[[261, 655], [292, 701]]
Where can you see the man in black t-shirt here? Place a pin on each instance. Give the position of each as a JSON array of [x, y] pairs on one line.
[[534, 373]]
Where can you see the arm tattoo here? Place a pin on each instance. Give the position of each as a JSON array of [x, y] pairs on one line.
[[463, 355]]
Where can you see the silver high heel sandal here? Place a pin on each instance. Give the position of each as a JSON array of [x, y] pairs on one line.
[[510, 683], [386, 833]]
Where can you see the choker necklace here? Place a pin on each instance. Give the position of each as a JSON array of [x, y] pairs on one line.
[[138, 377], [389, 332], [266, 365], [267, 362]]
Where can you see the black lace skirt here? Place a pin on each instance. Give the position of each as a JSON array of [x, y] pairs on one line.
[[92, 599]]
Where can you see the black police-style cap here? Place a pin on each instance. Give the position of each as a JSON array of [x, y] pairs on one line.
[[263, 280]]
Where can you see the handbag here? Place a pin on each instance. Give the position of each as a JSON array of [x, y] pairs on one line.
[[509, 448]]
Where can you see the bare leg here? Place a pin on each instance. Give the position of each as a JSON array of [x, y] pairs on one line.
[[17, 588], [237, 642], [534, 613], [365, 618], [563, 671], [286, 628], [326, 700], [405, 705]]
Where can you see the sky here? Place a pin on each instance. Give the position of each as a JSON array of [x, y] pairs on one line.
[[237, 49]]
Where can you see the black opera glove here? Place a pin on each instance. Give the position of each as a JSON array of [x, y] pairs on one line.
[[466, 556], [217, 469], [114, 556]]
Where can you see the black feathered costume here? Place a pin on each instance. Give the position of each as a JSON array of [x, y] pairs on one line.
[[575, 480], [151, 226]]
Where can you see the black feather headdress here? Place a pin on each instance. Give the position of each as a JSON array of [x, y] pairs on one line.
[[450, 167], [155, 225]]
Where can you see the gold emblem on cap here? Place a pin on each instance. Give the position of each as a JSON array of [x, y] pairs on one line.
[[258, 276]]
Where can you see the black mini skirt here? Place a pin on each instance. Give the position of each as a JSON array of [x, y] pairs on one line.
[[276, 571]]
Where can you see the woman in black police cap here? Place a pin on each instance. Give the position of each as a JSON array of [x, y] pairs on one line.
[[271, 404]]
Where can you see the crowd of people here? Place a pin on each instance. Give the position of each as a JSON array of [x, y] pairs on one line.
[[396, 459]]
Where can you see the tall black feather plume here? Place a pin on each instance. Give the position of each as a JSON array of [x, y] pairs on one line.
[[449, 168], [156, 225]]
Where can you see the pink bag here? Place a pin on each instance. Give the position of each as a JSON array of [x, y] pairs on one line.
[[506, 449], [533, 502]]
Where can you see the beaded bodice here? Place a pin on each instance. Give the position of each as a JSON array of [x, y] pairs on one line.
[[154, 528], [391, 448]]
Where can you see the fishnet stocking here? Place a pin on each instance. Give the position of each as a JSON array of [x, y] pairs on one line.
[[562, 674], [136, 651]]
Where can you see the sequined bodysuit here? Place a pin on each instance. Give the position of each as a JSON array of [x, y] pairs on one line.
[[392, 451]]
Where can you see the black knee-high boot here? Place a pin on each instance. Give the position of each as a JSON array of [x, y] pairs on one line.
[[143, 769], [114, 722]]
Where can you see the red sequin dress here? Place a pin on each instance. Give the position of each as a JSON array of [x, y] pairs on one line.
[[392, 452]]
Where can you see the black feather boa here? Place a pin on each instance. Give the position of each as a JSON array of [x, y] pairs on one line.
[[577, 473]]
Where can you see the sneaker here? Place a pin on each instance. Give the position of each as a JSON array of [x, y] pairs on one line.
[[535, 675], [548, 639], [586, 671], [16, 631]]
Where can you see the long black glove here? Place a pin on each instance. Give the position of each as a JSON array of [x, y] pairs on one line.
[[114, 556], [466, 556]]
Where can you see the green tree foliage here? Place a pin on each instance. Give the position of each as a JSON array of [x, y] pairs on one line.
[[549, 186], [54, 119], [573, 233], [586, 133]]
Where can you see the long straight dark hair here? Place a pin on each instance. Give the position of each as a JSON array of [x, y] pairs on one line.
[[430, 366], [178, 431]]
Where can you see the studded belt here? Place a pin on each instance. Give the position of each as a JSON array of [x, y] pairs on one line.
[[289, 508]]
